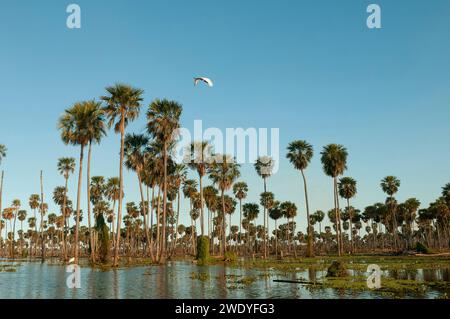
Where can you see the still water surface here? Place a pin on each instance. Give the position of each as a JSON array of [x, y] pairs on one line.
[[35, 280]]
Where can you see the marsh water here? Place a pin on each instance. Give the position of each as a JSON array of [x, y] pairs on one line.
[[181, 280]]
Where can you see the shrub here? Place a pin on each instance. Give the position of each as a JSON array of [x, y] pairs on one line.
[[337, 269], [230, 256], [421, 248], [203, 249]]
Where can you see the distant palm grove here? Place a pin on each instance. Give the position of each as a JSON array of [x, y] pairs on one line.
[[151, 228]]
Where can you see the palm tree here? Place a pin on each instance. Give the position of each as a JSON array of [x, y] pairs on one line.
[[210, 197], [76, 129], [66, 166], [113, 194], [411, 206], [275, 213], [21, 215], [334, 161], [251, 212], [122, 106], [240, 190], [135, 145], [96, 128], [289, 211], [347, 190], [3, 151], [199, 156], [319, 216], [179, 177], [264, 167], [16, 207], [300, 154], [163, 121], [390, 185], [223, 171]]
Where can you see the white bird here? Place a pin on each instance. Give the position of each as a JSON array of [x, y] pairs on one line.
[[71, 260], [205, 80]]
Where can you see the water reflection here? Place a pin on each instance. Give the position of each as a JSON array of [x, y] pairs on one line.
[[35, 280]]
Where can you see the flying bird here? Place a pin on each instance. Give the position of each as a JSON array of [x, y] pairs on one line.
[[209, 82]]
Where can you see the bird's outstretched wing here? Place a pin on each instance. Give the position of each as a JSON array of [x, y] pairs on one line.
[[208, 81]]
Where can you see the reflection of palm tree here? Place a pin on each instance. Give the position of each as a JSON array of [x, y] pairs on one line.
[[334, 161], [347, 190], [300, 154], [122, 106]]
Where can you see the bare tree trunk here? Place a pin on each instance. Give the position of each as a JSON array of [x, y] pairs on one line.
[[80, 178], [91, 231], [119, 215]]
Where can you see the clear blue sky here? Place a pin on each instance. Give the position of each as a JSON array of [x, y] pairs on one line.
[[311, 68]]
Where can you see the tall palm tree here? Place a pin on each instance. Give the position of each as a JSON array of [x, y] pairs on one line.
[[163, 119], [300, 154], [199, 156], [123, 104], [223, 172], [66, 166], [135, 145], [334, 161], [76, 129], [97, 131], [240, 190], [347, 190], [3, 151], [264, 168], [390, 185], [179, 177]]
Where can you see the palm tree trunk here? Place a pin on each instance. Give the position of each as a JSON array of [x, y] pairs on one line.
[[240, 221], [80, 177], [163, 244], [265, 212], [42, 220], [224, 237], [158, 219], [64, 239], [91, 231], [202, 225], [337, 216], [310, 250], [147, 237], [351, 225], [119, 214], [177, 220]]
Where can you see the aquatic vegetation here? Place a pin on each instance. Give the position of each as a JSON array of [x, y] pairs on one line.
[[202, 276]]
